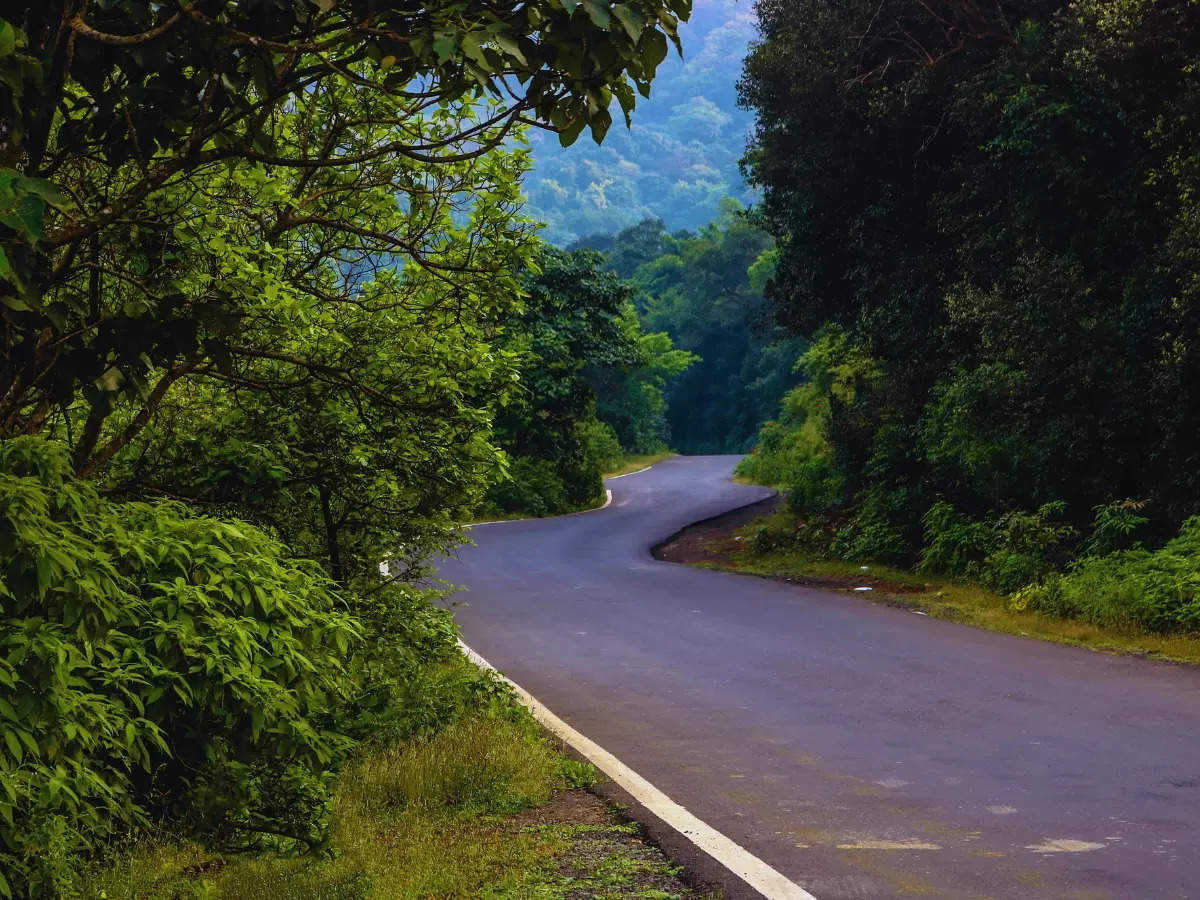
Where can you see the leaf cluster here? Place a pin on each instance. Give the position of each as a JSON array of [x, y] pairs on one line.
[[152, 660]]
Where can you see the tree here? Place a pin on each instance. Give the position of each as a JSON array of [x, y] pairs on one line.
[[570, 325], [991, 200], [117, 114], [705, 291]]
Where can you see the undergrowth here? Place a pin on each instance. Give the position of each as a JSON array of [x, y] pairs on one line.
[[420, 819]]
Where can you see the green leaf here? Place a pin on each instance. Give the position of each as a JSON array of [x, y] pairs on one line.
[[654, 50], [14, 745], [8, 39], [512, 48], [7, 274], [446, 47], [600, 124], [25, 215], [598, 11], [571, 132], [47, 190], [631, 19]]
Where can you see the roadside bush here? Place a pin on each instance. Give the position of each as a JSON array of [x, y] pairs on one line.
[[816, 486], [1114, 526], [532, 487], [1027, 546], [767, 540], [1009, 553], [1150, 590], [954, 544], [152, 662], [408, 678], [874, 533], [600, 445]]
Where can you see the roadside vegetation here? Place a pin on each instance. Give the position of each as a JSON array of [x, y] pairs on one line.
[[764, 547], [270, 315], [985, 223], [481, 807]]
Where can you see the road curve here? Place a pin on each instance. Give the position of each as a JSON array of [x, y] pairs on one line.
[[861, 750]]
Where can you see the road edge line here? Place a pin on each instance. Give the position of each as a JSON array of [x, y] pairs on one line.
[[605, 505], [627, 474], [741, 862]]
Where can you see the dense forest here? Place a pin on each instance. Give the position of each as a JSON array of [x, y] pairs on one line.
[[986, 218], [704, 290]]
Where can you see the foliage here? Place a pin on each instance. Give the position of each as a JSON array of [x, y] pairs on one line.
[[696, 288], [678, 160], [954, 544], [1113, 527], [154, 662], [582, 355], [353, 415], [1152, 590], [117, 116], [997, 207], [1009, 553], [266, 260], [419, 819]]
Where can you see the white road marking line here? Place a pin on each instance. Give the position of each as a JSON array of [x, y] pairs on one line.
[[582, 512], [741, 862], [627, 474]]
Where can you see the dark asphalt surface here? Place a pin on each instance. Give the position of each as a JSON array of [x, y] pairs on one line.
[[862, 750]]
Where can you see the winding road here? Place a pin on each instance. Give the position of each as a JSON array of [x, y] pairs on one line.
[[861, 750]]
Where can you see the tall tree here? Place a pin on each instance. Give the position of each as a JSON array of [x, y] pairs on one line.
[[116, 114], [992, 199]]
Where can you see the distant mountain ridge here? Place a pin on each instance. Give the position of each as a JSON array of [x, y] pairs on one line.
[[679, 158]]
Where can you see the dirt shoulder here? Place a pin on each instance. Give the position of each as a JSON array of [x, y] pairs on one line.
[[604, 854]]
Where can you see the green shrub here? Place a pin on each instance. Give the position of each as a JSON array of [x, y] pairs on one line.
[[816, 486], [766, 540], [1150, 590], [1028, 546], [875, 532], [152, 662], [954, 544], [532, 487], [601, 447], [1113, 527], [1016, 549]]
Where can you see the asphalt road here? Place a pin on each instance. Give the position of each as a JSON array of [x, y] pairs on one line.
[[861, 750]]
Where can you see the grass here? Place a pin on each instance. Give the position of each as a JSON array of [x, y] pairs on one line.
[[418, 820], [633, 463], [942, 598], [439, 817]]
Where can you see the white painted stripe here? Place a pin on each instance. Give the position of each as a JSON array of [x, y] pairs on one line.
[[627, 474], [607, 501], [741, 862]]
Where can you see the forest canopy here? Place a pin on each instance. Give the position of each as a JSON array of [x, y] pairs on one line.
[[986, 216]]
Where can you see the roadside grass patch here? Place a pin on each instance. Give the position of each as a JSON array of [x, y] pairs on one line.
[[419, 819], [635, 462], [939, 597], [485, 808]]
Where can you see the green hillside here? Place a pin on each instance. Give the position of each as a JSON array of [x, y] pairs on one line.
[[679, 158]]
